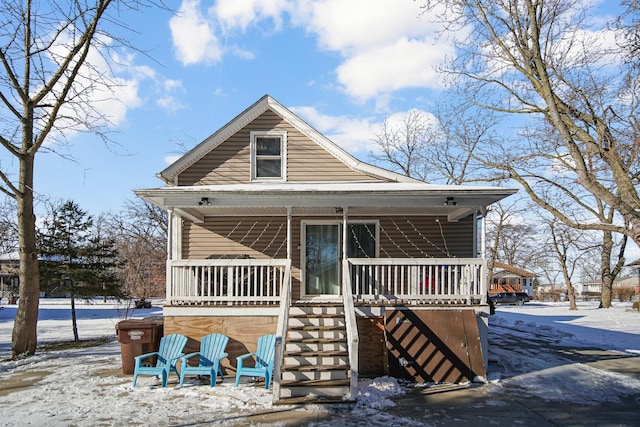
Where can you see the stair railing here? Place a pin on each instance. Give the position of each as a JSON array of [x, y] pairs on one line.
[[352, 329], [281, 330]]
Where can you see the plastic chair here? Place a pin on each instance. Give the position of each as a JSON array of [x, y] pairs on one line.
[[264, 361], [212, 349], [170, 351]]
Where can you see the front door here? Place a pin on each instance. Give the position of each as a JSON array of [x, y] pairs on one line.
[[322, 259], [322, 253]]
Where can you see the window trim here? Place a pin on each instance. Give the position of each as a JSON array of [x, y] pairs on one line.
[[283, 155]]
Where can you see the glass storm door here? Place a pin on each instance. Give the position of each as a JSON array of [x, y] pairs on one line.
[[322, 259]]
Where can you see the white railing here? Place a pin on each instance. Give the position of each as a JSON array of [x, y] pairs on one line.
[[446, 280], [226, 281], [352, 331]]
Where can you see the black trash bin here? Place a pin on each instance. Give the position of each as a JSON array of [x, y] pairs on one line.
[[136, 337]]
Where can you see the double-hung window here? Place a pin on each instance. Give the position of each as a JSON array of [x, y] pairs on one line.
[[268, 156]]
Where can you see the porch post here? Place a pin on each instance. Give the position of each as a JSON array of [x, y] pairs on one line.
[[345, 232], [289, 234], [483, 235]]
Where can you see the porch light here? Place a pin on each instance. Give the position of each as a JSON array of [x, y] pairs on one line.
[[204, 202], [450, 202]]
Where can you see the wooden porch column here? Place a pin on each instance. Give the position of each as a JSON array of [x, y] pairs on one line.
[[345, 233], [289, 234]]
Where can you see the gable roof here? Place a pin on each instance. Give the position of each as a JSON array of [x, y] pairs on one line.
[[502, 267], [265, 103]]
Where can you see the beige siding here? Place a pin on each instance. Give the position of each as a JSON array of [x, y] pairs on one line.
[[426, 236], [233, 237], [248, 237], [230, 162]]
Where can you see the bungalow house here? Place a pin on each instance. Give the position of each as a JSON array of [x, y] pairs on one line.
[[357, 270], [507, 278]]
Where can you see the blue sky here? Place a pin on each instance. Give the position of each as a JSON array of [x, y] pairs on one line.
[[342, 65]]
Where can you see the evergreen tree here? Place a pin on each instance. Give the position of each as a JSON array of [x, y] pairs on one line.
[[77, 258]]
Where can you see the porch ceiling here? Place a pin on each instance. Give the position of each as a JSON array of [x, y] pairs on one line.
[[314, 199]]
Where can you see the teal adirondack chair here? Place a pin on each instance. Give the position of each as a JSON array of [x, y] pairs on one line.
[[170, 351], [264, 361], [212, 349]]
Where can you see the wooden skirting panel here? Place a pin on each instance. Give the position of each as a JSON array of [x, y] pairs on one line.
[[434, 346], [418, 345], [243, 332], [372, 354]]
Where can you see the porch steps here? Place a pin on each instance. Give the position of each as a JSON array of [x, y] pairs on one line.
[[316, 355]]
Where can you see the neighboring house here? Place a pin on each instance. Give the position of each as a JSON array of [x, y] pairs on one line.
[[9, 268], [507, 278], [595, 286], [357, 270], [591, 287]]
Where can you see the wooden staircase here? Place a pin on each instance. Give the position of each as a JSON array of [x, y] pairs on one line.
[[315, 365]]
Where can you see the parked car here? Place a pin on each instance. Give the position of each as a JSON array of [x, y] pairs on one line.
[[517, 298]]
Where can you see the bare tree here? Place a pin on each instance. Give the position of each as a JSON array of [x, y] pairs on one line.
[[141, 234], [47, 85], [541, 60], [566, 246], [511, 236], [402, 145], [8, 227]]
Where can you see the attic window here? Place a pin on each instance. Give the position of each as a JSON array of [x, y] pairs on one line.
[[268, 155]]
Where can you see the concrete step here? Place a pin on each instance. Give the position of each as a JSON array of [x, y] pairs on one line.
[[337, 389]]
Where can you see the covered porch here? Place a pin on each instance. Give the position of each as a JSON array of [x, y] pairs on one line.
[[392, 243]]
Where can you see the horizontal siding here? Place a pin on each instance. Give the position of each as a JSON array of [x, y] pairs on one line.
[[230, 162], [422, 236], [229, 237], [250, 237]]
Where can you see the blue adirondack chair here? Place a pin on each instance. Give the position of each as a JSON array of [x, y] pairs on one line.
[[212, 349], [264, 360], [170, 351]]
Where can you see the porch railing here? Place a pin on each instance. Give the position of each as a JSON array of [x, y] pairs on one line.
[[373, 280], [226, 281], [428, 280]]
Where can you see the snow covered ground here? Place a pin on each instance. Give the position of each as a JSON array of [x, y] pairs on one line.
[[85, 386]]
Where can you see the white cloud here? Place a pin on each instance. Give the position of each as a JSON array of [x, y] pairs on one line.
[[193, 36], [356, 26], [352, 135], [234, 14], [385, 45], [168, 101], [403, 64], [171, 159], [356, 136]]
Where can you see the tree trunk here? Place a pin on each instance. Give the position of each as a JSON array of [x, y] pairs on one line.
[[606, 276], [24, 336], [571, 293], [74, 319]]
